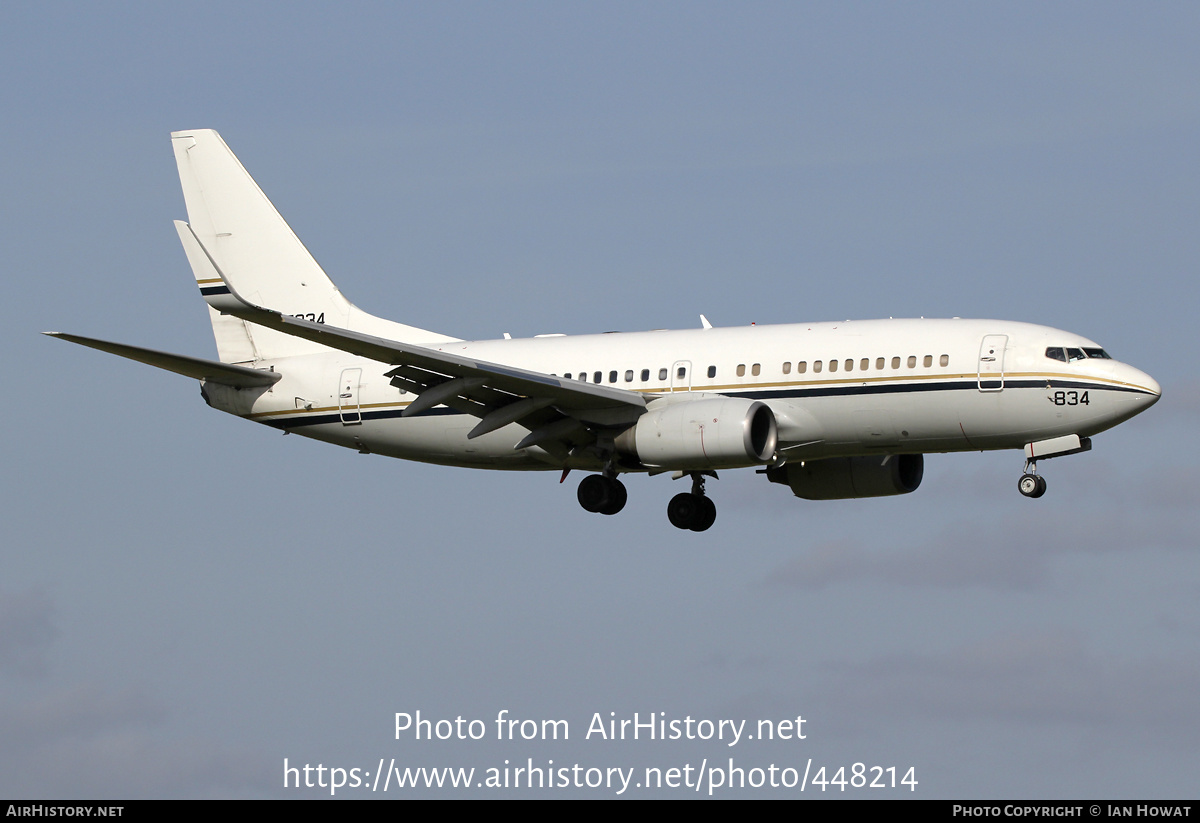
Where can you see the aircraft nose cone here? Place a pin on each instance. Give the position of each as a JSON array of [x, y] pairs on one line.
[[1149, 384], [1139, 391], [1150, 390]]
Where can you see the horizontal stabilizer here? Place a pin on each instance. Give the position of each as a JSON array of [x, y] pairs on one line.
[[210, 371]]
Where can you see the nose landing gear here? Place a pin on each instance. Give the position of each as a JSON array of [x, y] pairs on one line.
[[1031, 484]]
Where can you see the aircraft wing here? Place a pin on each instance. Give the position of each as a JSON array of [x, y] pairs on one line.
[[210, 371], [553, 408], [565, 394]]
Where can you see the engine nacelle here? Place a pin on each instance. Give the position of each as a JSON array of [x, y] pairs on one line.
[[714, 433], [840, 478]]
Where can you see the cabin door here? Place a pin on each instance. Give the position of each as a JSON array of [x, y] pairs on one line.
[[348, 406], [991, 362]]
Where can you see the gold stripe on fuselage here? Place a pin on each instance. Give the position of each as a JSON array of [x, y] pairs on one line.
[[1102, 381]]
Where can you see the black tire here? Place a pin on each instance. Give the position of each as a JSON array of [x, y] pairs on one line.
[[682, 510], [705, 516], [593, 492], [1031, 485], [617, 495], [1041, 487]]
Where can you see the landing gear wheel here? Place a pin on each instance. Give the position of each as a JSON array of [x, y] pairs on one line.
[[706, 516], [600, 494], [617, 495], [593, 492], [1032, 485], [692, 512], [682, 510]]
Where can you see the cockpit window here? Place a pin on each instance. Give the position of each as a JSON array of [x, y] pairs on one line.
[[1070, 355]]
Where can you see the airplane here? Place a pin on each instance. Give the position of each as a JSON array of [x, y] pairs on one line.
[[831, 410]]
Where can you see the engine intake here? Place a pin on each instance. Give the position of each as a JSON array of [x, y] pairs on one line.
[[715, 433]]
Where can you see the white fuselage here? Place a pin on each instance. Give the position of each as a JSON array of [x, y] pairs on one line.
[[832, 410], [836, 389]]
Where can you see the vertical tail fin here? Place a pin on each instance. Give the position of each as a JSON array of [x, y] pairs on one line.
[[233, 225]]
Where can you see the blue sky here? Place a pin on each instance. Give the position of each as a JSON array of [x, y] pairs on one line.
[[188, 599]]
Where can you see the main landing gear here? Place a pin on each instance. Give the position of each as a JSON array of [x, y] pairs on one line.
[[692, 510], [1031, 483], [601, 494]]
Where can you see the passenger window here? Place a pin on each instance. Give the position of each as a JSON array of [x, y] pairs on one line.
[[849, 365], [787, 367], [741, 370], [567, 376], [682, 372], [597, 378], [755, 369], [712, 371], [817, 366], [833, 365], [612, 377], [645, 375], [802, 367], [629, 376], [912, 361], [895, 362], [928, 361], [662, 374], [945, 360], [864, 364], [879, 363]]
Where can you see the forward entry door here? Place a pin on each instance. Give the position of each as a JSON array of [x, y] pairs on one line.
[[991, 362]]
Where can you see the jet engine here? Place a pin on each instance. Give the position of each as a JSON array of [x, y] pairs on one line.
[[713, 433], [839, 478]]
